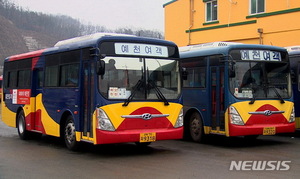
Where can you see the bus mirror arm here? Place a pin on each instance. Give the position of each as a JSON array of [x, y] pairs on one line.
[[231, 69], [231, 64], [101, 68]]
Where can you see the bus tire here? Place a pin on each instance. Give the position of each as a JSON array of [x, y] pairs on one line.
[[70, 134], [21, 126], [196, 127]]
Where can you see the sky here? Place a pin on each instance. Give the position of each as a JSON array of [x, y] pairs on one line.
[[113, 14]]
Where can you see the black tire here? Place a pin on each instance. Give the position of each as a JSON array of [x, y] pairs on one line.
[[21, 126], [70, 134], [196, 127]]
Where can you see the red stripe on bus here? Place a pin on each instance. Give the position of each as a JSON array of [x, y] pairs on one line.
[[26, 55]]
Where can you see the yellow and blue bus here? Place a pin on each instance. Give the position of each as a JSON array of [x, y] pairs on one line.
[[294, 54], [236, 89], [99, 88]]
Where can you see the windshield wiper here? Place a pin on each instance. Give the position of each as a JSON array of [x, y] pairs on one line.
[[254, 89], [158, 92], [135, 88], [278, 95], [253, 98]]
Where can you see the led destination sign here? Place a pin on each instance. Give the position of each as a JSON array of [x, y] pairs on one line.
[[141, 49], [260, 55]]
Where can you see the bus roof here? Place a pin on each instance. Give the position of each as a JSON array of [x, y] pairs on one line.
[[293, 50], [91, 40], [88, 38], [224, 49], [206, 45]]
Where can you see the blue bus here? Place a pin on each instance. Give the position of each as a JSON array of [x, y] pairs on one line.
[[294, 54], [236, 89], [99, 88]]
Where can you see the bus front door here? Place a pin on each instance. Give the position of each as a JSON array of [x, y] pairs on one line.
[[88, 98], [217, 99]]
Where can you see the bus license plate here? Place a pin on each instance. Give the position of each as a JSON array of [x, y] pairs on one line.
[[269, 131], [148, 137]]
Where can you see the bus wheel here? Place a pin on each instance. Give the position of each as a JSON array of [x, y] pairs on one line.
[[21, 126], [70, 135], [196, 127]]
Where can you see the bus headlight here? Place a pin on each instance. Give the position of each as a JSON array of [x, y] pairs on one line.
[[234, 116], [179, 122], [103, 121], [292, 117]]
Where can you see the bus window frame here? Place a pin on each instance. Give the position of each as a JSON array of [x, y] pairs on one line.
[[57, 62], [13, 71]]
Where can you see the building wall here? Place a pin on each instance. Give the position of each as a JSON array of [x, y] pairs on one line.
[[280, 25]]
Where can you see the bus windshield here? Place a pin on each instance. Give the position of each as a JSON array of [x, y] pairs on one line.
[[145, 77], [261, 79]]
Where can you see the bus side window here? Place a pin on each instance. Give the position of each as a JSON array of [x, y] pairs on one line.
[[24, 79], [196, 72], [189, 79], [69, 75], [195, 78], [199, 77], [51, 75], [11, 79]]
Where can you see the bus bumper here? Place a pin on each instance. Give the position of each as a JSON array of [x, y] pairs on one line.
[[107, 137], [237, 130]]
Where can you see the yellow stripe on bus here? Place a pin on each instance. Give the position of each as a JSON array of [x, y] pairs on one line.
[[244, 107], [8, 117], [115, 111], [50, 126]]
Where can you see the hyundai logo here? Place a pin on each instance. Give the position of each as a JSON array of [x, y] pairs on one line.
[[145, 116], [267, 112]]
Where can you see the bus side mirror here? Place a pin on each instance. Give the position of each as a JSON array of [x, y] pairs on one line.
[[184, 74], [101, 68]]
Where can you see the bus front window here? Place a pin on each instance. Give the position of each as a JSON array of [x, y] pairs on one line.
[[261, 80], [141, 76]]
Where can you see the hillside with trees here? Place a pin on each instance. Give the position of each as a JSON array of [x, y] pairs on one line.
[[23, 30]]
